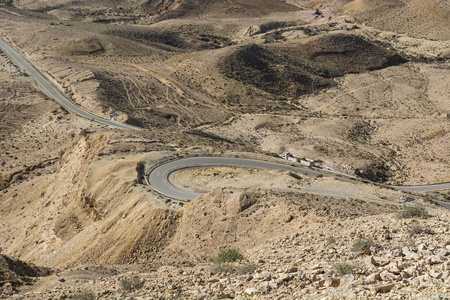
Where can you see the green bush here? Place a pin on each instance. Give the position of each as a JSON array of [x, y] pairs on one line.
[[228, 255], [131, 283], [85, 295], [343, 268], [413, 212]]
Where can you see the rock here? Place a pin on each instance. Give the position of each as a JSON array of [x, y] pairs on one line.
[[201, 296], [442, 252], [223, 296], [379, 261], [318, 284], [288, 218], [251, 292], [435, 275], [382, 288], [374, 277], [422, 247], [282, 277], [388, 276], [61, 280], [393, 268], [334, 282], [412, 256], [397, 253], [434, 260], [264, 276], [426, 253], [291, 269], [273, 284], [405, 274], [7, 289]]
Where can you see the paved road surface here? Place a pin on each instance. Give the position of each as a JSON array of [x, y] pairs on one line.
[[51, 90], [161, 178]]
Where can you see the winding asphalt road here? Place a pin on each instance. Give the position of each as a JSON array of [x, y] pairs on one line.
[[161, 177], [51, 90]]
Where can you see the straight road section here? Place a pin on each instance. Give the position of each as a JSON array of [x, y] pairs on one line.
[[51, 90]]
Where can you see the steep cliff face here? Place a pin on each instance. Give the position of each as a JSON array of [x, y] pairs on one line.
[[85, 210]]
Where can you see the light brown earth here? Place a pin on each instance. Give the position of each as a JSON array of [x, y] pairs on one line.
[[69, 192]]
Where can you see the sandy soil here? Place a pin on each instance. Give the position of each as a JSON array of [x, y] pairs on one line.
[[162, 71]]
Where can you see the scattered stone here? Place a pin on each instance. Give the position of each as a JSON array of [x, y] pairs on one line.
[[382, 288], [436, 275], [379, 261], [334, 282], [251, 292]]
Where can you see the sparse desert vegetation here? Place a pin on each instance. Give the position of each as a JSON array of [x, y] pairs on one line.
[[358, 87]]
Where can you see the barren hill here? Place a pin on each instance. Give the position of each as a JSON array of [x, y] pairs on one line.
[[167, 9], [419, 18], [360, 87]]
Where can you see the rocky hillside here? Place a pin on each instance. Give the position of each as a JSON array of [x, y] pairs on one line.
[[297, 68], [15, 273], [166, 9], [400, 255]]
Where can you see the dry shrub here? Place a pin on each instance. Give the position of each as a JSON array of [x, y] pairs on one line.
[[131, 283], [409, 212], [344, 268], [85, 295]]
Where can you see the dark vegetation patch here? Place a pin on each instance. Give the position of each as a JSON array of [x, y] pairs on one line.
[[135, 122], [229, 255], [409, 212], [269, 26], [294, 70], [274, 70], [377, 171], [170, 40], [361, 131], [7, 2], [140, 170], [347, 53]]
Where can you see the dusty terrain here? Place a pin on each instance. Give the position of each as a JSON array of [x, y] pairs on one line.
[[363, 87]]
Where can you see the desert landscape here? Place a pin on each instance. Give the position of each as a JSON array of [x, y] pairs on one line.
[[356, 91]]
